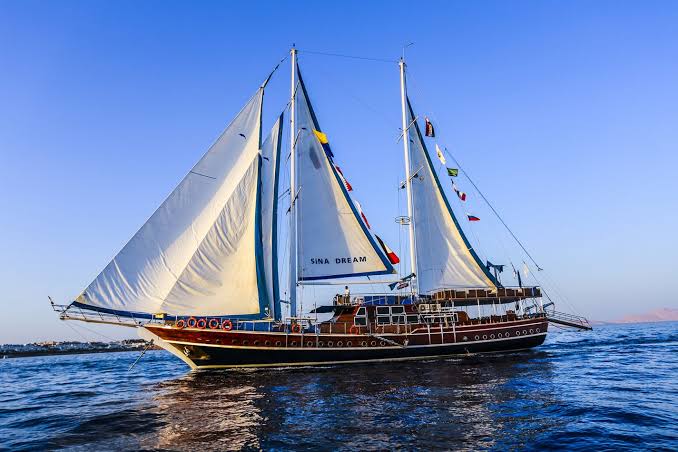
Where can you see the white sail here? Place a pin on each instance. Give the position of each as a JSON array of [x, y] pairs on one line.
[[196, 255], [333, 241], [270, 170], [444, 256]]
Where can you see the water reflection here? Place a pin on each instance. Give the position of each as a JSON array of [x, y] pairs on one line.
[[462, 403], [608, 389]]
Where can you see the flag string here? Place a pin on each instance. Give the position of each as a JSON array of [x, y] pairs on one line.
[[493, 210]]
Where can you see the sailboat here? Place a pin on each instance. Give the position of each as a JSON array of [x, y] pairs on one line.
[[202, 278]]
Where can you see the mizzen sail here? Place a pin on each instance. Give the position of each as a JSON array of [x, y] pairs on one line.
[[444, 256]]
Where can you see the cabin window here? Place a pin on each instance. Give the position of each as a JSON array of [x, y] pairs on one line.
[[361, 311], [383, 310], [361, 321], [398, 319], [412, 319], [397, 309], [383, 319]]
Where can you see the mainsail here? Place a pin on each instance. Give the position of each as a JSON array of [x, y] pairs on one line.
[[201, 252], [270, 172], [333, 240], [444, 256]]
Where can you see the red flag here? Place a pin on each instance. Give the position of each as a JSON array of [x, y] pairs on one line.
[[459, 193], [360, 209], [343, 179], [430, 132], [392, 257], [473, 218]]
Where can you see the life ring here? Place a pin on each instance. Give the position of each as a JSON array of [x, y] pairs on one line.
[[181, 323], [202, 323], [213, 324], [192, 322], [227, 325], [296, 328], [354, 330]]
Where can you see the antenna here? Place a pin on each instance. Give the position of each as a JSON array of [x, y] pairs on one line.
[[405, 47]]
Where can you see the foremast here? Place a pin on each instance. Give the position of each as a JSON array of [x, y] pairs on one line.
[[293, 190]]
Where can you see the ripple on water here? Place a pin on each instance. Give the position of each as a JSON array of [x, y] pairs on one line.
[[613, 388]]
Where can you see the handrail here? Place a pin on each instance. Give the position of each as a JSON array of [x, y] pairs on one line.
[[571, 320]]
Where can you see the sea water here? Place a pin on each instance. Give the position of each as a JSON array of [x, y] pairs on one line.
[[614, 388]]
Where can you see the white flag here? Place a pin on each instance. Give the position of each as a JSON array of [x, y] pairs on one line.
[[441, 157]]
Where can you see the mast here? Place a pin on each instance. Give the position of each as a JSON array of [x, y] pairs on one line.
[[408, 178], [293, 190]]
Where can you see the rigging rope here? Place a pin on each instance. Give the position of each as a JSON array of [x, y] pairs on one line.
[[90, 330], [413, 82], [355, 57], [493, 210]]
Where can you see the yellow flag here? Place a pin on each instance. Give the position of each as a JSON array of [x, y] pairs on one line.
[[321, 137]]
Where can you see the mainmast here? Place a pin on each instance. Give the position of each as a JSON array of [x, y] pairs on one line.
[[293, 189], [408, 177]]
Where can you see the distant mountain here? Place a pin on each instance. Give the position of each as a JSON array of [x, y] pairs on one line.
[[658, 315]]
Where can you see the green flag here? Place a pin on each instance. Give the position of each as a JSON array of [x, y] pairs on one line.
[[453, 172]]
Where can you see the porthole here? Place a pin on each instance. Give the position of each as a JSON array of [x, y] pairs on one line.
[[517, 333], [330, 343], [267, 343], [321, 344], [464, 338], [245, 342], [349, 344], [363, 343], [373, 343], [234, 341], [531, 331], [278, 343], [477, 337], [507, 334], [340, 344], [382, 343], [537, 330], [484, 336], [492, 336], [309, 344], [524, 331], [293, 343], [255, 343]]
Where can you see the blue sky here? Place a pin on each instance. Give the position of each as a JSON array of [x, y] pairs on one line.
[[564, 113]]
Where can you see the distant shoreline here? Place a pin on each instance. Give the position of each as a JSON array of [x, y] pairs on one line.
[[66, 352], [71, 348]]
